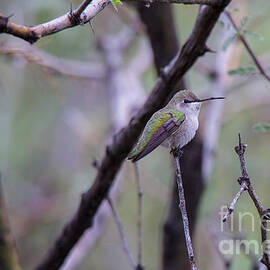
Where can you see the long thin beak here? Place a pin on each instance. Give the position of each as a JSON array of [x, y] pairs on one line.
[[202, 100], [211, 98]]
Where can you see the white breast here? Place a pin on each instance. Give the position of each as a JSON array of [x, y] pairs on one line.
[[184, 134]]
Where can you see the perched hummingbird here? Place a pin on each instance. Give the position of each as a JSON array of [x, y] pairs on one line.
[[173, 126]]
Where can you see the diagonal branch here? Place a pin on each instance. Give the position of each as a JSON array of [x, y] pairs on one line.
[[121, 233], [70, 19], [250, 51], [117, 151], [54, 64]]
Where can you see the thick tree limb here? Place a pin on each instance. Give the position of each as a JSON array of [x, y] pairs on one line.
[[118, 77], [123, 141]]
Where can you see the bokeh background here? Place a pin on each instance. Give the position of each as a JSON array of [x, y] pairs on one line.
[[53, 125]]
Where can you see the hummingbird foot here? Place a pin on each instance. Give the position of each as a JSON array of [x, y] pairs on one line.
[[177, 152]]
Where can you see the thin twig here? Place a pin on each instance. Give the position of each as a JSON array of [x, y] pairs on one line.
[[244, 181], [139, 222], [240, 150], [234, 201], [244, 41], [121, 233], [182, 206]]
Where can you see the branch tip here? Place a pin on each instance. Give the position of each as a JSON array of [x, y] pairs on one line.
[[207, 49]]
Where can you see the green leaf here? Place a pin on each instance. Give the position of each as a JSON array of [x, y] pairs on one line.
[[252, 34], [227, 42], [116, 2], [262, 127], [242, 71]]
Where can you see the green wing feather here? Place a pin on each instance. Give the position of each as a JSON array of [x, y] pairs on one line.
[[153, 125]]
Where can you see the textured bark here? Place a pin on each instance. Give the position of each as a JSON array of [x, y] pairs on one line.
[[159, 23], [174, 248], [164, 44]]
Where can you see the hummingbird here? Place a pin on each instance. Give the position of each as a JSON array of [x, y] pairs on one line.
[[173, 126]]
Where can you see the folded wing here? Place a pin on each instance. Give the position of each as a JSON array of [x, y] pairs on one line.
[[161, 126]]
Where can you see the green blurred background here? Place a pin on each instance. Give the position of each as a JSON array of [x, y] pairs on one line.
[[53, 126]]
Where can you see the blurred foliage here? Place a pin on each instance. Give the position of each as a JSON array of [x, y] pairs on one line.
[[52, 127], [262, 127], [242, 71]]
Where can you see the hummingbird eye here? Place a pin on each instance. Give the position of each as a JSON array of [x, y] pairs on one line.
[[186, 101]]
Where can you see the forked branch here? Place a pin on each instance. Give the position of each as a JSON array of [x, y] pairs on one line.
[[246, 184]]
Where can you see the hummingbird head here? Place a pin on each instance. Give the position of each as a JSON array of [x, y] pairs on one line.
[[187, 102]]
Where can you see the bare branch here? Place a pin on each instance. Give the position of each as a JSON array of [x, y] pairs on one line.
[[139, 222], [214, 3], [234, 201], [83, 14], [34, 33], [245, 183], [73, 68], [122, 235], [117, 151], [182, 206], [250, 51]]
